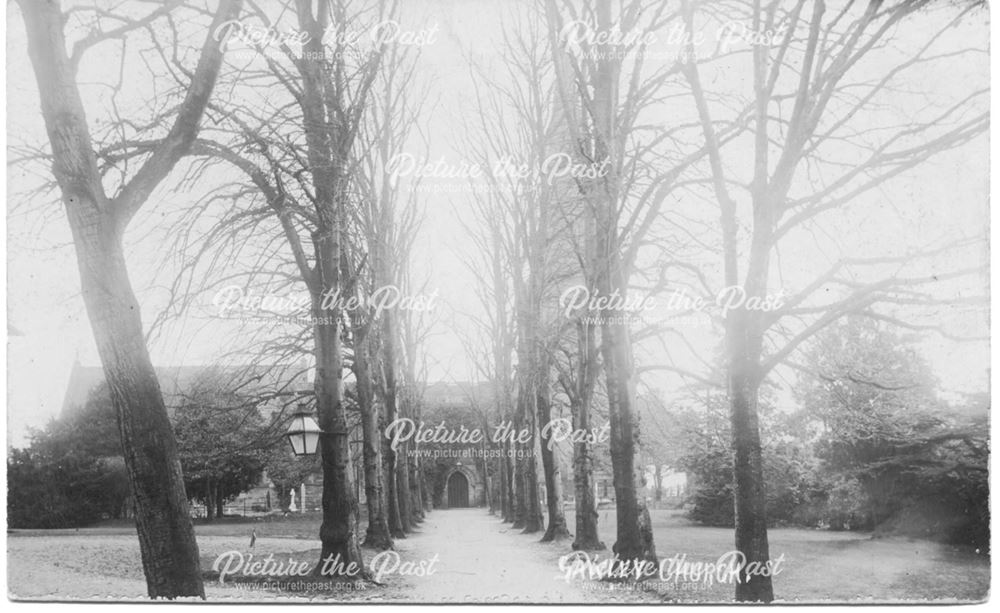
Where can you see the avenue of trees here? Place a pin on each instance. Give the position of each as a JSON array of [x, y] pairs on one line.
[[696, 173], [307, 191], [716, 167]]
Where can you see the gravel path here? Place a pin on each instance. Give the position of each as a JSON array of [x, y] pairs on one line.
[[482, 560]]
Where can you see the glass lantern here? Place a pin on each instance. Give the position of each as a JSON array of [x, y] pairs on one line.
[[303, 433]]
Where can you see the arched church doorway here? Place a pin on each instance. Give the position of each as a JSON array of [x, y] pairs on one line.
[[458, 490]]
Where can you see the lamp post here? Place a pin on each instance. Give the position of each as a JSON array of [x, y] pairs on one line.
[[303, 433]]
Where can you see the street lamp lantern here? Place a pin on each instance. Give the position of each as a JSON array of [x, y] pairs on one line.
[[303, 433]]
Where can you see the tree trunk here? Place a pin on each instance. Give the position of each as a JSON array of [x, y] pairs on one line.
[[404, 495], [556, 528], [634, 535], [340, 553], [587, 536], [404, 487], [220, 502], [501, 468], [749, 497], [392, 492], [417, 487], [750, 500], [419, 499], [166, 537], [209, 501], [510, 499], [414, 482], [391, 414], [535, 521], [488, 489], [530, 517], [520, 492], [426, 492], [404, 460], [744, 345], [377, 534]]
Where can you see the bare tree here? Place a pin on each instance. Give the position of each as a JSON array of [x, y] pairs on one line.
[[491, 344], [821, 139], [98, 221], [384, 225], [519, 134], [578, 375], [603, 96], [301, 151]]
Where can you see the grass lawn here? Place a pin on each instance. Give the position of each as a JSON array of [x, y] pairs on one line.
[[821, 565]]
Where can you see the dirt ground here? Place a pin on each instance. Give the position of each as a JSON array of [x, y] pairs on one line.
[[477, 558]]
